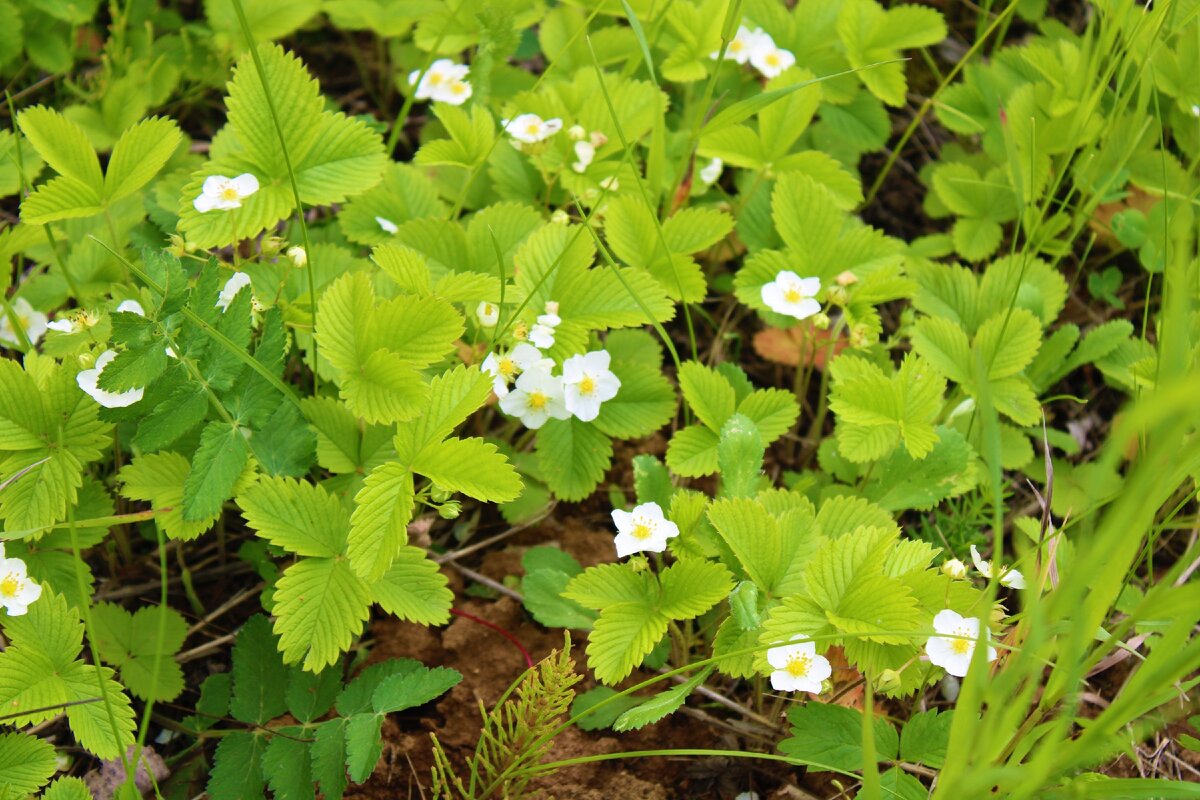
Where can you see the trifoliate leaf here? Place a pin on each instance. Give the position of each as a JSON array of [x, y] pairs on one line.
[[876, 412], [131, 642], [158, 479], [900, 482]]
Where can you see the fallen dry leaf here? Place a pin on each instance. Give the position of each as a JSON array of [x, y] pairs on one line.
[[802, 344]]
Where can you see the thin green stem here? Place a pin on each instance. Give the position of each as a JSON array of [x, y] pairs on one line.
[[287, 160]]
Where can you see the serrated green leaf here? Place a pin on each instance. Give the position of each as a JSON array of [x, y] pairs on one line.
[[709, 394], [286, 766], [259, 677], [296, 515], [606, 584], [644, 403], [138, 156], [574, 456], [624, 634], [416, 688], [925, 738], [471, 466], [829, 736], [237, 766], [320, 606], [379, 525], [26, 763], [63, 145], [660, 705], [877, 412], [692, 452], [414, 589], [131, 642], [689, 588], [216, 468]]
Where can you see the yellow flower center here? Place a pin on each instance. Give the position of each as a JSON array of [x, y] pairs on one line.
[[506, 367], [11, 585], [458, 88], [587, 385], [792, 294], [230, 193], [641, 531], [537, 401], [532, 129], [961, 646], [736, 46], [799, 665], [435, 79], [772, 59]]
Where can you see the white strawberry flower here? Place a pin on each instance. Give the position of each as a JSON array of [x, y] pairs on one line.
[[444, 82], [17, 591], [222, 193], [770, 60], [239, 281], [711, 171], [587, 383], [744, 43], [644, 529], [89, 381], [792, 295], [33, 322], [797, 667], [585, 152], [954, 645], [507, 367], [530, 128], [1008, 577], [488, 314], [536, 398], [387, 225]]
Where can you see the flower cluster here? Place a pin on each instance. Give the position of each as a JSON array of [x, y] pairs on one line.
[[585, 146], [17, 591], [443, 82], [538, 395], [792, 295], [32, 321], [957, 570], [759, 49]]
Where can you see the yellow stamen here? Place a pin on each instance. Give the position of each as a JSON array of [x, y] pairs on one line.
[[792, 295], [532, 128], [506, 367], [587, 385], [641, 531], [11, 585], [229, 193], [537, 401], [798, 666], [772, 59]]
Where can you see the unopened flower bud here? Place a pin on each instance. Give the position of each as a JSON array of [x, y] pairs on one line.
[[560, 217], [846, 278], [598, 139], [488, 314], [298, 256], [860, 335], [271, 245], [955, 569], [577, 133], [86, 360], [820, 321], [450, 509], [838, 295], [889, 681]]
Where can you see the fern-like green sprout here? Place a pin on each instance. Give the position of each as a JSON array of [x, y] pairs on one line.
[[511, 732]]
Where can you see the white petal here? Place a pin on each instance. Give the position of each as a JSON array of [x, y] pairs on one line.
[[946, 621], [387, 225], [809, 287], [214, 184], [623, 520], [772, 297], [984, 567], [62, 326], [1013, 579], [205, 203], [245, 184], [131, 307]]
